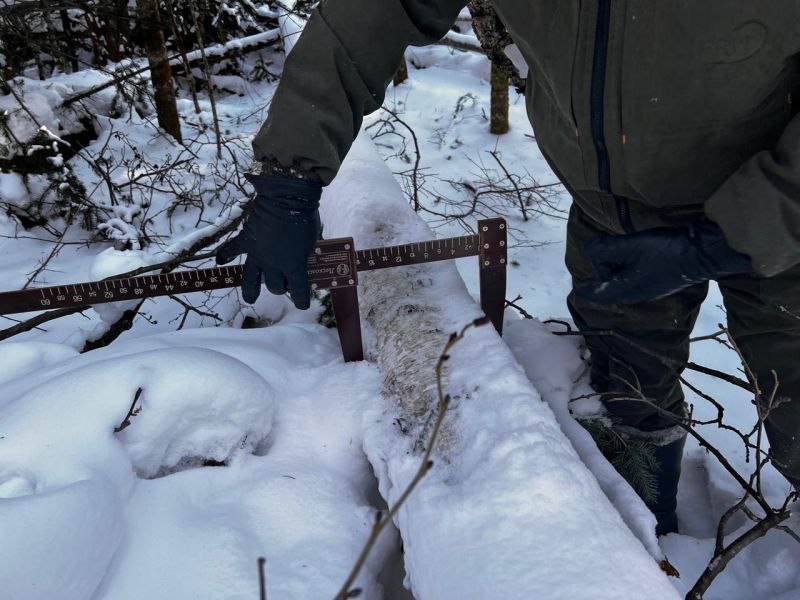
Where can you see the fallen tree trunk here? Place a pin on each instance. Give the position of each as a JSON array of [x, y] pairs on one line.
[[508, 510], [214, 54]]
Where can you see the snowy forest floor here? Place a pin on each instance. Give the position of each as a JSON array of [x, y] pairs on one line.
[[140, 514]]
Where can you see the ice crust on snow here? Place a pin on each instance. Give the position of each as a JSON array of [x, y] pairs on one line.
[[500, 515]]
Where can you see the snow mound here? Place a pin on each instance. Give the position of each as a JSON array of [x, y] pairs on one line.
[[193, 403], [64, 473], [59, 543], [22, 358], [277, 406], [45, 100]]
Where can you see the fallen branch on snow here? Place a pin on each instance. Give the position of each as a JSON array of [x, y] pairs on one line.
[[214, 54], [773, 517]]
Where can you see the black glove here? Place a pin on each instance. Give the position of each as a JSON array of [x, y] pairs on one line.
[[656, 263], [281, 230]]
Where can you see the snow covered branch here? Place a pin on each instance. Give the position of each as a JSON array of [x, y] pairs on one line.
[[461, 41], [214, 54]]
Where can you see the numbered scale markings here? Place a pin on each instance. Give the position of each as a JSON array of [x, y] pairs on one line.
[[423, 252], [333, 265]]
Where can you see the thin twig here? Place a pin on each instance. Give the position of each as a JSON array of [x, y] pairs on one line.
[[188, 308], [262, 580], [418, 158], [522, 311], [198, 27], [719, 546], [705, 444], [182, 51], [674, 364], [132, 412], [496, 157], [45, 261]]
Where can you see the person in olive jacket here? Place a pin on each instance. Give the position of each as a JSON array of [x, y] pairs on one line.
[[674, 127]]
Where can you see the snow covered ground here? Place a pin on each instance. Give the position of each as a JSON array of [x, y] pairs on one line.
[[142, 513]]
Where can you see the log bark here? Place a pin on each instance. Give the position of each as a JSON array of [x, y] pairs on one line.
[[160, 71]]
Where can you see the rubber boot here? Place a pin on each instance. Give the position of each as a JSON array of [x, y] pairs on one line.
[[650, 461], [665, 500]]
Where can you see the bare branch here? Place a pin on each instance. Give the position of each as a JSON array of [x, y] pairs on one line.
[[674, 364], [132, 412], [721, 560], [262, 582]]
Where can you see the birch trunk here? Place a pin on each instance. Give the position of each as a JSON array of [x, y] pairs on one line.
[[508, 509]]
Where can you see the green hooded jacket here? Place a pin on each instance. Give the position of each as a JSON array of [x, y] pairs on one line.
[[650, 112]]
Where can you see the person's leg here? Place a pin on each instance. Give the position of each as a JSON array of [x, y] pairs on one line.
[[764, 319], [648, 351]]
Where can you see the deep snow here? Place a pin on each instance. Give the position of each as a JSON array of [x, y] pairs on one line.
[[137, 514]]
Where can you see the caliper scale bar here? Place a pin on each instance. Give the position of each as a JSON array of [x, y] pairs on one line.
[[334, 265]]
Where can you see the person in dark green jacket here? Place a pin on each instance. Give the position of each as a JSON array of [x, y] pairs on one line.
[[674, 127]]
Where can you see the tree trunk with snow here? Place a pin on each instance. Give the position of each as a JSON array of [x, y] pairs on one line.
[[160, 71], [117, 28], [494, 39], [499, 105]]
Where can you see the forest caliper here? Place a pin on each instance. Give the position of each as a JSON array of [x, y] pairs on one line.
[[334, 266]]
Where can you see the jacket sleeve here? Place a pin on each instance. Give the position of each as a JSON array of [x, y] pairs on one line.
[[338, 72], [758, 207]]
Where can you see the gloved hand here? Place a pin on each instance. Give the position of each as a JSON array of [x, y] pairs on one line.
[[281, 230], [656, 263]]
